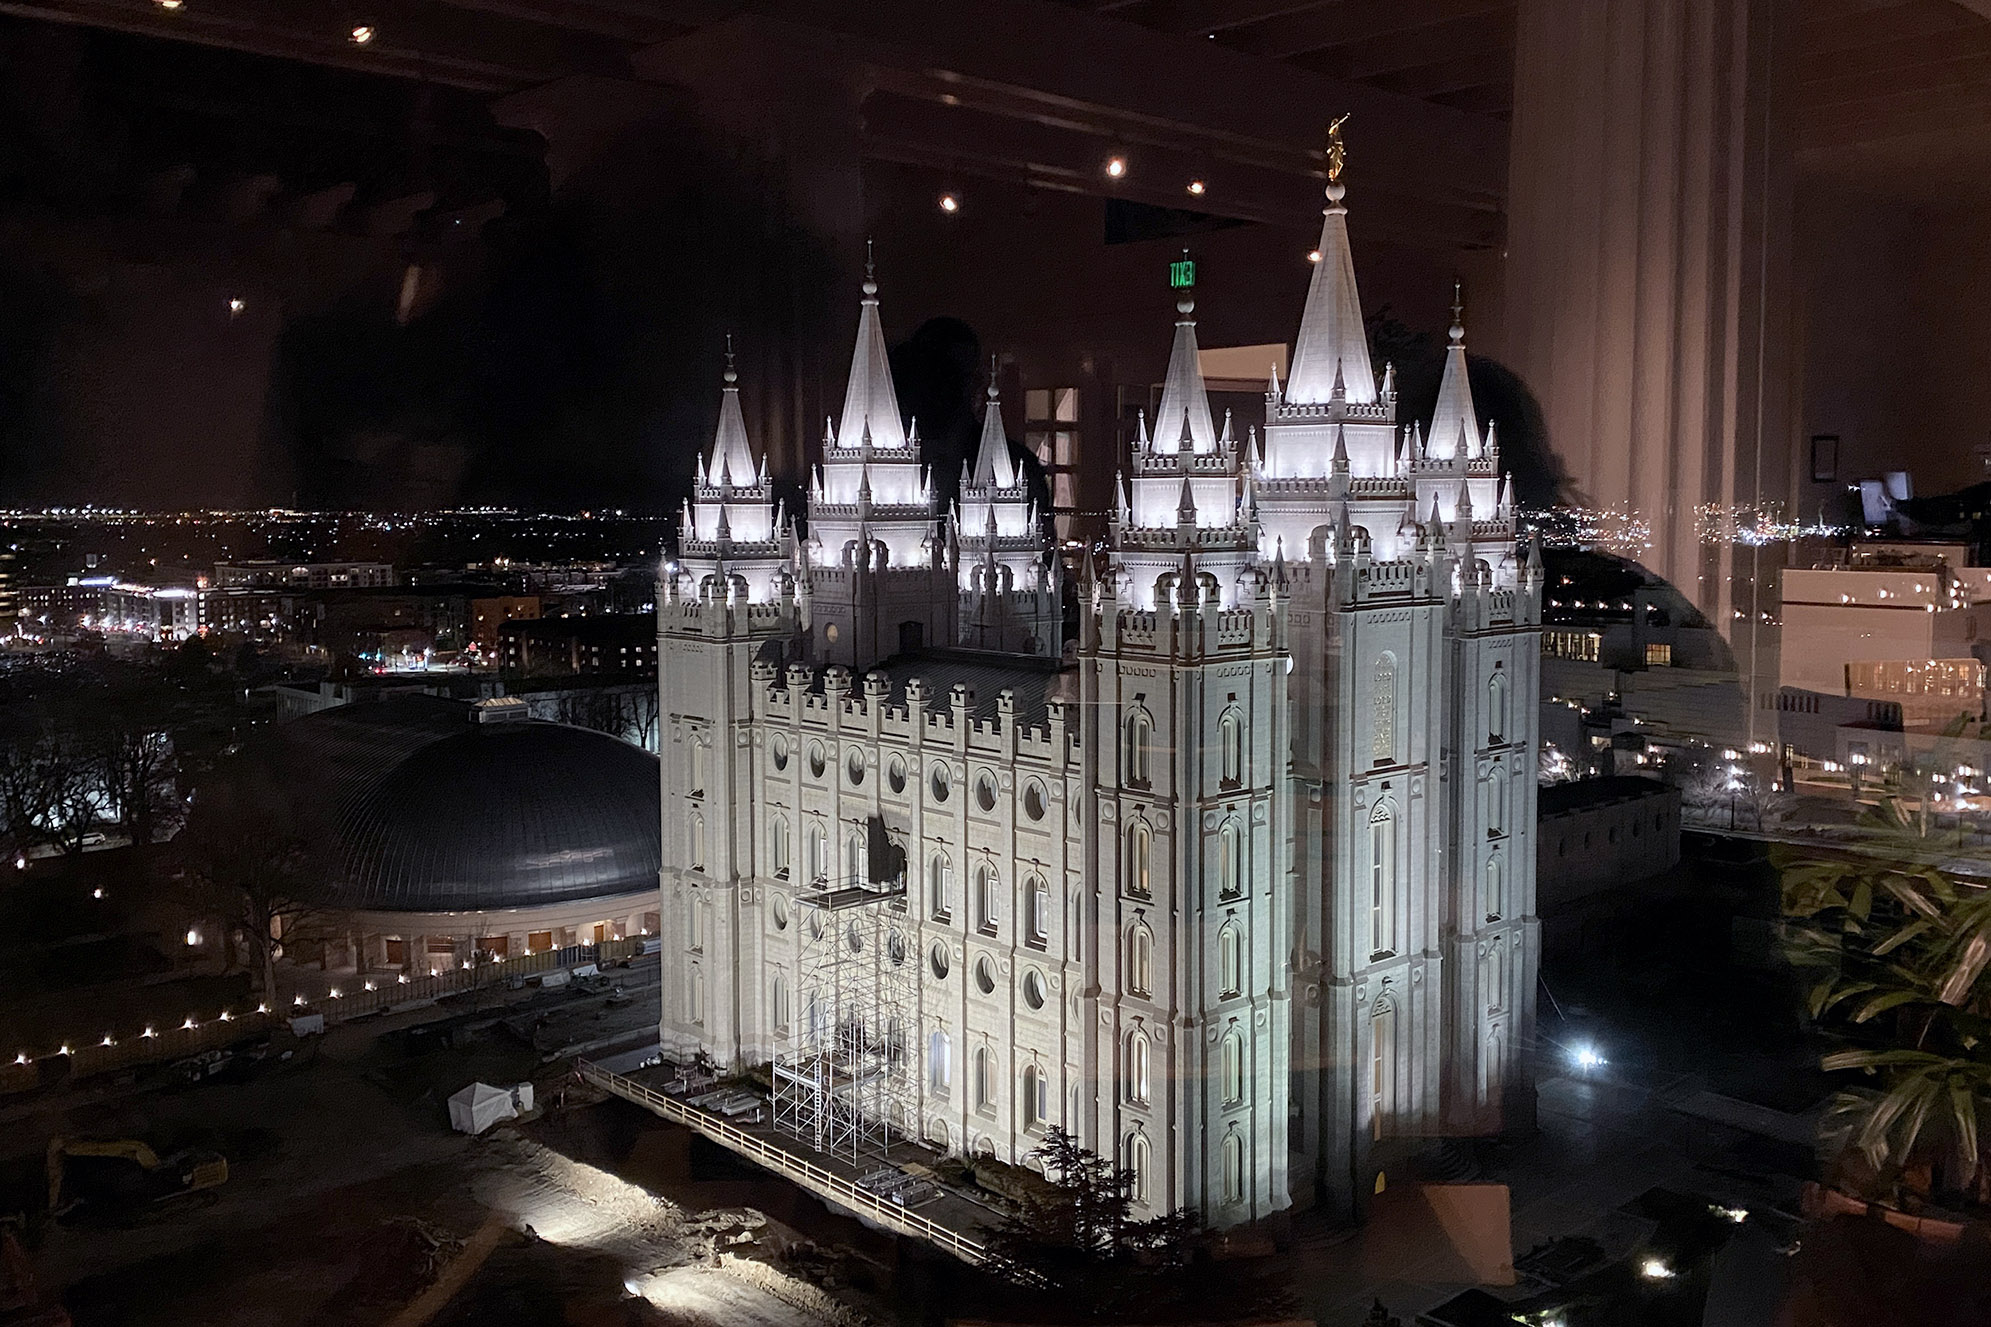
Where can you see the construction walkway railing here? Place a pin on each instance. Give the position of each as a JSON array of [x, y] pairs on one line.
[[827, 1184]]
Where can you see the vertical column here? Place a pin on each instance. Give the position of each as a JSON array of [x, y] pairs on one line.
[[1647, 277]]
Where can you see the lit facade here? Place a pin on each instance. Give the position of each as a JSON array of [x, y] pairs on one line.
[[1239, 887]]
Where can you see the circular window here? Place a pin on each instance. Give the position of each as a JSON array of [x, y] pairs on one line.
[[854, 937], [937, 959], [1033, 989], [853, 766], [895, 774], [817, 761], [778, 905], [985, 791], [941, 782], [1033, 800], [830, 633], [895, 949], [985, 975], [779, 747], [815, 924]]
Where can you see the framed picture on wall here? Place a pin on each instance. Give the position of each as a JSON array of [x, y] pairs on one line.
[[1824, 458]]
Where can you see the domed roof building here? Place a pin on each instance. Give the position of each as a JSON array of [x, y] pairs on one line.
[[439, 828]]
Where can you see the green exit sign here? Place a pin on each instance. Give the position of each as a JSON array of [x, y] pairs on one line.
[[1182, 274]]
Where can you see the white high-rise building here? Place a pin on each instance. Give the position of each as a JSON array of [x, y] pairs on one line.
[[1239, 888]]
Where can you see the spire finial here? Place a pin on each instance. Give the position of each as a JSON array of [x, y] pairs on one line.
[[994, 391], [870, 269], [1458, 333], [732, 375]]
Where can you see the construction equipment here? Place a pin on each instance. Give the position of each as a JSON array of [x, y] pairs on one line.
[[123, 1174]]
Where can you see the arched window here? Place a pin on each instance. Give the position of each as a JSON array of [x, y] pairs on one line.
[[1233, 1165], [695, 767], [1496, 706], [1496, 802], [1382, 878], [1139, 1053], [1494, 902], [694, 994], [985, 1080], [1140, 1163], [1230, 861], [695, 923], [777, 1002], [818, 863], [1140, 960], [1231, 735], [1036, 1098], [1140, 859], [939, 1063], [1230, 959], [939, 887], [1038, 893], [1382, 712], [1494, 973], [1230, 1067], [777, 846], [1140, 748], [697, 841], [1382, 1066], [988, 887]]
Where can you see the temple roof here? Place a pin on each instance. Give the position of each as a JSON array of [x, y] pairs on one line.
[[870, 402], [1183, 393]]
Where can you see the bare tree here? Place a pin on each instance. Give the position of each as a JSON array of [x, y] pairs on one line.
[[243, 861]]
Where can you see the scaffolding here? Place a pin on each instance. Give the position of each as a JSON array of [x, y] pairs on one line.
[[843, 1070]]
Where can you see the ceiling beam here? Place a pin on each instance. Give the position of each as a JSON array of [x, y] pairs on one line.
[[1353, 21], [1486, 38], [1200, 18]]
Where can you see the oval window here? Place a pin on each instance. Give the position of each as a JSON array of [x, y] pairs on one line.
[[853, 765], [1033, 800], [895, 949], [815, 924], [940, 782], [937, 959], [1033, 989], [854, 937], [985, 975], [895, 774], [985, 791], [778, 905], [817, 761], [779, 746]]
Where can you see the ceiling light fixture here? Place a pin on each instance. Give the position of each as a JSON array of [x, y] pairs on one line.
[[950, 203], [362, 34], [1313, 256], [1196, 188], [1116, 167]]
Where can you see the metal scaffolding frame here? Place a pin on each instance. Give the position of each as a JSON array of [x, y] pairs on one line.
[[844, 1068]]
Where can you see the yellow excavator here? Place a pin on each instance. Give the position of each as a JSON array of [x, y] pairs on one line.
[[122, 1175]]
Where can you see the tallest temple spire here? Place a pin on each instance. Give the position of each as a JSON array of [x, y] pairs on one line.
[[870, 403], [1332, 337]]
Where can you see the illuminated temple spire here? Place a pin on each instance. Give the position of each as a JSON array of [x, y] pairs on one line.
[[870, 403], [1332, 341], [994, 466], [1454, 424], [1184, 415], [732, 459]]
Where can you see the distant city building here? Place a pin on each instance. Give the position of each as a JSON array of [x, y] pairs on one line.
[[303, 575], [617, 644], [1906, 623], [489, 614]]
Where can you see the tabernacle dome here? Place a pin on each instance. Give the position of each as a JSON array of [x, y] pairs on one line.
[[438, 828]]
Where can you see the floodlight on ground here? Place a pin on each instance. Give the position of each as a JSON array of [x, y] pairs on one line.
[[1586, 1058]]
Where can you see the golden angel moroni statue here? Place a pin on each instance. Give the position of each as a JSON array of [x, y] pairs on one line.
[[1337, 151]]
